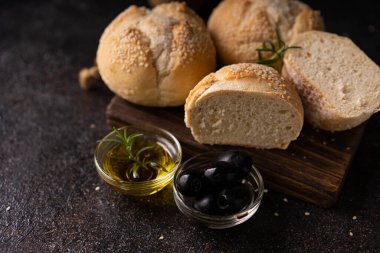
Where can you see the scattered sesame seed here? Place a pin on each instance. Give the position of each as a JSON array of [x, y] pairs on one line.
[[92, 126], [161, 237], [351, 234], [354, 217], [276, 214], [265, 190], [97, 188], [285, 200], [7, 209], [307, 213]]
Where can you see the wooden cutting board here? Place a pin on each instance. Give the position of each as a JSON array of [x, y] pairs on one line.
[[313, 168]]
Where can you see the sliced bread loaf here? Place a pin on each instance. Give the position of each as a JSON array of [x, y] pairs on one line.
[[244, 104], [338, 84]]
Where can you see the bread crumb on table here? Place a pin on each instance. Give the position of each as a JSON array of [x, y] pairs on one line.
[[276, 214], [97, 188], [307, 213], [285, 200], [265, 190], [161, 237], [351, 234], [354, 217], [8, 208], [87, 77]]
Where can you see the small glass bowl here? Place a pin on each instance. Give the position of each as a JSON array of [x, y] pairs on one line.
[[144, 188], [213, 221]]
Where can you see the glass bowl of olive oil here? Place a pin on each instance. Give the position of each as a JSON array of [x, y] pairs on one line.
[[138, 161]]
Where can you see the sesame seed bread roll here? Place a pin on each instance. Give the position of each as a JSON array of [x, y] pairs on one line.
[[238, 27], [338, 84], [244, 104], [155, 57]]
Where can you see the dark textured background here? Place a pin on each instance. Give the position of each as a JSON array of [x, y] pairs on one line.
[[48, 129]]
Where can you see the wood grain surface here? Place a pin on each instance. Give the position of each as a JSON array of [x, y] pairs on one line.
[[313, 168]]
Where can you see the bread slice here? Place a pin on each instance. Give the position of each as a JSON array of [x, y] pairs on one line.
[[338, 84], [244, 104]]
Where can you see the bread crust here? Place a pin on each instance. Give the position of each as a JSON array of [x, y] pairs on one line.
[[238, 27], [155, 58], [247, 78]]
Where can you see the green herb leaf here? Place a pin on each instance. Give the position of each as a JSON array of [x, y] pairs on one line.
[[277, 49]]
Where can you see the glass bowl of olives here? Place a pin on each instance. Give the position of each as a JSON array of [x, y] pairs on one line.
[[218, 190]]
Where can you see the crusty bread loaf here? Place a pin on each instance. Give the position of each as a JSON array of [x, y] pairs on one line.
[[155, 57], [194, 4], [238, 27], [339, 85], [244, 104]]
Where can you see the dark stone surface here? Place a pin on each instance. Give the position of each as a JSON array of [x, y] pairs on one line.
[[48, 129]]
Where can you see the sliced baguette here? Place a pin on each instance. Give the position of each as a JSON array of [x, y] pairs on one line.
[[338, 84], [244, 104]]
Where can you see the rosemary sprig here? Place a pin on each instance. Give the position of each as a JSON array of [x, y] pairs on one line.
[[138, 162], [277, 51]]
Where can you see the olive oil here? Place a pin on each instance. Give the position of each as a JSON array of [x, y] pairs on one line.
[[141, 159]]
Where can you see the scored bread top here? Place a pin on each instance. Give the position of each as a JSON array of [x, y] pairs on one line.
[[338, 83], [143, 53], [262, 79], [239, 27]]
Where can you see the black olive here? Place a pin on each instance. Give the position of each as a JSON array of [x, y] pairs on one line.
[[206, 204], [221, 173], [241, 160], [191, 184], [233, 199]]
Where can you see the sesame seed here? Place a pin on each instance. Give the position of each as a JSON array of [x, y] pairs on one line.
[[276, 214], [97, 188], [307, 213], [351, 234], [265, 190], [354, 217], [285, 200], [7, 209], [348, 148], [161, 237]]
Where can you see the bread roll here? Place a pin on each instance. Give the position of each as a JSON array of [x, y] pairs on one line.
[[194, 4], [339, 85], [238, 27], [155, 57], [244, 104]]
